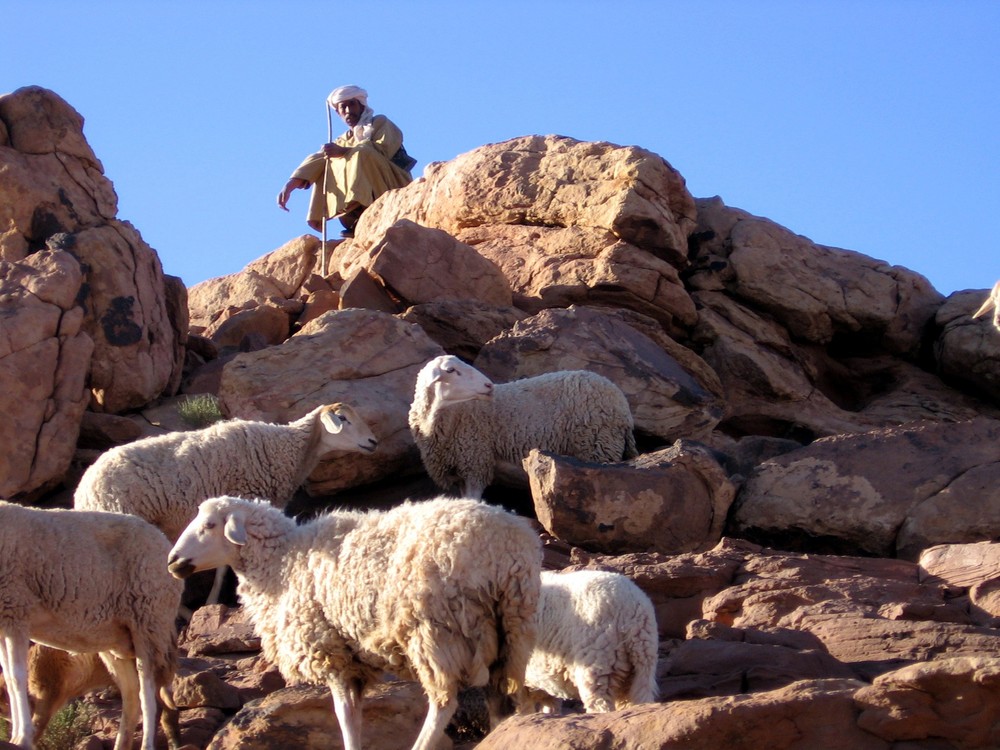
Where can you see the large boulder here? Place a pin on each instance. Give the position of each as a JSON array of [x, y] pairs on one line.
[[53, 193], [279, 280], [670, 501], [968, 349], [887, 492], [816, 292], [44, 357], [567, 222], [419, 264]]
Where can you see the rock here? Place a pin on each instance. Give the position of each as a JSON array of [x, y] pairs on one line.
[[363, 290], [365, 358], [803, 716], [218, 629], [272, 279], [670, 501], [616, 218], [967, 349], [44, 358], [302, 717], [873, 614], [462, 327], [843, 490], [955, 700], [105, 431], [667, 400], [253, 329], [815, 292], [197, 686], [419, 264], [717, 660], [54, 194]]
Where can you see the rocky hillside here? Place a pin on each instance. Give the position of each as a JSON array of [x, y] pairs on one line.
[[815, 503]]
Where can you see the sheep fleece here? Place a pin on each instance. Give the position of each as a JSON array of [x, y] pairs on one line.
[[163, 478], [573, 413], [597, 640], [103, 575], [423, 587]]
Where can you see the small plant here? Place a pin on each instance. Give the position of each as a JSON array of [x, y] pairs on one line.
[[70, 724], [200, 410], [4, 729]]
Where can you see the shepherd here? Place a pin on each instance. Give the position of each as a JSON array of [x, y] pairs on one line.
[[349, 173]]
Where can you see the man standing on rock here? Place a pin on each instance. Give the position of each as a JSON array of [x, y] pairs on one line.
[[348, 174]]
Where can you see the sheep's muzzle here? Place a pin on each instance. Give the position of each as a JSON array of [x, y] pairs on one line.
[[180, 567]]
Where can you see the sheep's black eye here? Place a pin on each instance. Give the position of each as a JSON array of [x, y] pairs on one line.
[[210, 525], [450, 369]]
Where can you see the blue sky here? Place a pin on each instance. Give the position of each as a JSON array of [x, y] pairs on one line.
[[872, 126]]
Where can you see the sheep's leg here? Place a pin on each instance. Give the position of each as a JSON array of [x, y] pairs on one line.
[[435, 724], [127, 678], [220, 577], [170, 718], [473, 489], [347, 707], [147, 698], [14, 662]]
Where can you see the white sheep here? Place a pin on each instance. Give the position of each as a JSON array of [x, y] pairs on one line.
[[466, 427], [597, 642], [992, 303], [443, 591], [163, 478], [88, 582], [55, 677]]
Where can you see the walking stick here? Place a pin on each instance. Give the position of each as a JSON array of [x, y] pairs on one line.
[[326, 171]]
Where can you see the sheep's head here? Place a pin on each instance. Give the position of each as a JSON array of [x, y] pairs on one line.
[[343, 429], [452, 381], [212, 538]]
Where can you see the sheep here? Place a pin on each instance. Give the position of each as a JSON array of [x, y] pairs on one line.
[[992, 303], [88, 581], [443, 591], [597, 642], [56, 677], [163, 479], [466, 427]]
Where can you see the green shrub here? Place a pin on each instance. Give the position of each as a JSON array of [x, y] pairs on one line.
[[72, 723], [200, 410]]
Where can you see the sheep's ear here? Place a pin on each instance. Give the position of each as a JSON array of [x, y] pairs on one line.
[[234, 530], [333, 422]]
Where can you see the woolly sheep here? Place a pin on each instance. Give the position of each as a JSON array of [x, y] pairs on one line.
[[597, 642], [466, 427], [443, 591], [163, 479], [88, 582], [992, 303], [55, 677]]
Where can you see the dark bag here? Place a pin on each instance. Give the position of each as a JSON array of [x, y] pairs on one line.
[[403, 160]]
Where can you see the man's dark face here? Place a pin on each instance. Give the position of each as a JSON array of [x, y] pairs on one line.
[[350, 111]]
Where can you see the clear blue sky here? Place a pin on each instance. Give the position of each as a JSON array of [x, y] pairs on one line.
[[869, 125]]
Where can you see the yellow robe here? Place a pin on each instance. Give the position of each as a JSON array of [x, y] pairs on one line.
[[358, 178]]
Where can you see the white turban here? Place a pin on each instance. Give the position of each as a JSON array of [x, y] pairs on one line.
[[345, 93]]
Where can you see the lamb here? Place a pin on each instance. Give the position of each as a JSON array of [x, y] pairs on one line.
[[163, 479], [443, 591], [56, 677], [466, 427], [992, 303], [88, 582], [597, 642]]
